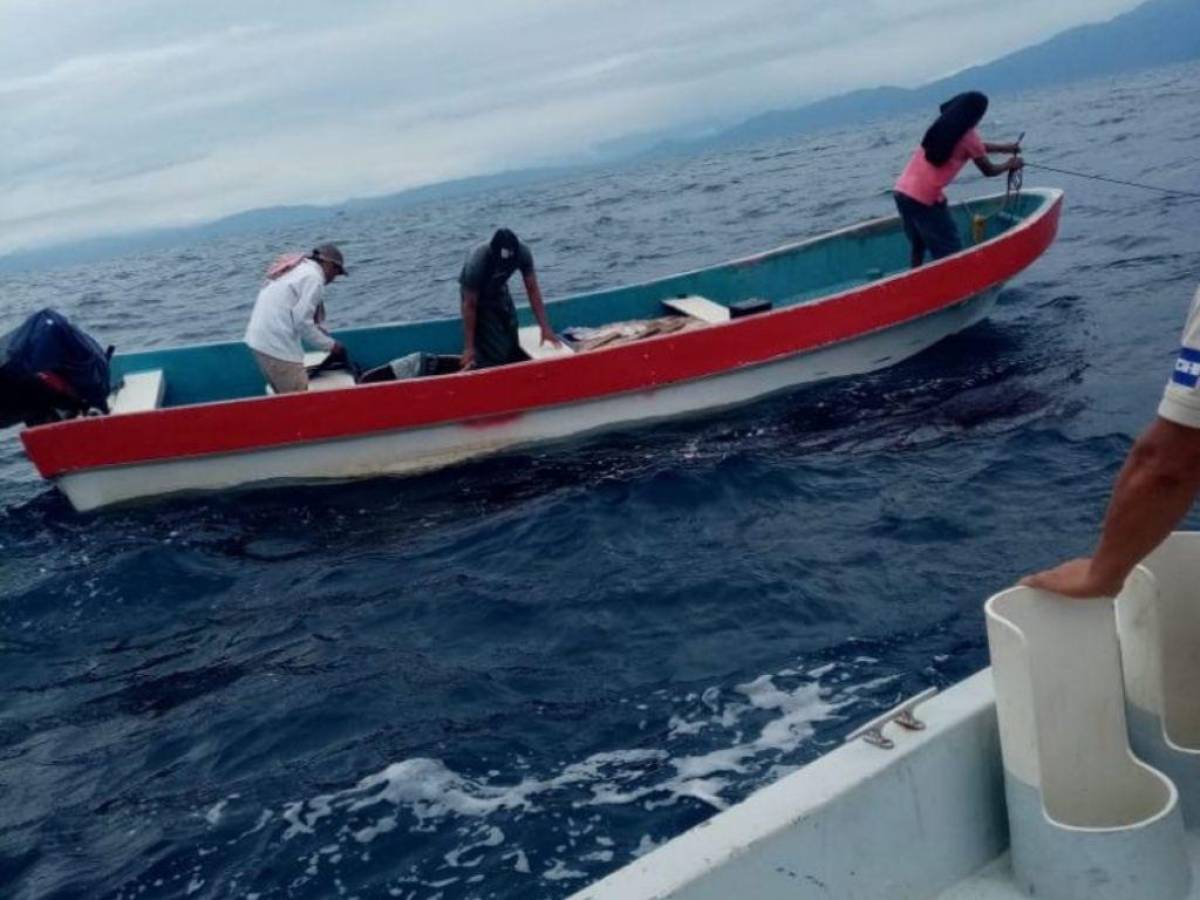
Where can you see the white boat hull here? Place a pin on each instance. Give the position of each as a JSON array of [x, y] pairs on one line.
[[422, 449]]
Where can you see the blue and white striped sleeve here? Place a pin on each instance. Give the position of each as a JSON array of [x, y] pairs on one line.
[[1181, 399]]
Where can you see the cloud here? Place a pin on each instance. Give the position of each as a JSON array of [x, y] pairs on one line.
[[135, 114]]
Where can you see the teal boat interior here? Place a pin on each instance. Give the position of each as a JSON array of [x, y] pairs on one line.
[[790, 276]]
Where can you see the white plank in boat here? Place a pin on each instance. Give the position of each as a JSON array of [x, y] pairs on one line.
[[139, 392], [530, 339], [329, 380], [698, 308]]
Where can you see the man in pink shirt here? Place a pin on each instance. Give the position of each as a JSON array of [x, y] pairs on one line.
[[945, 149]]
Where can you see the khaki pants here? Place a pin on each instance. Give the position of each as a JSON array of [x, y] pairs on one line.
[[284, 377]]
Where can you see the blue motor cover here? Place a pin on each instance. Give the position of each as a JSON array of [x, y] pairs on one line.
[[49, 370]]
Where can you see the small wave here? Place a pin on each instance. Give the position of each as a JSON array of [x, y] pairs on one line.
[[1139, 262], [426, 789], [763, 721]]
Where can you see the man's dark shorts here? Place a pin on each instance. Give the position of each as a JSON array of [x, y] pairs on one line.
[[928, 227]]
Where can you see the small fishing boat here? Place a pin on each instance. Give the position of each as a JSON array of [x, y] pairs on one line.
[[198, 418]]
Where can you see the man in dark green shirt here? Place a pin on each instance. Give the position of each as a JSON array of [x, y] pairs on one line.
[[489, 316]]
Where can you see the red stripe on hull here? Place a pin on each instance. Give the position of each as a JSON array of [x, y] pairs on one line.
[[495, 396]]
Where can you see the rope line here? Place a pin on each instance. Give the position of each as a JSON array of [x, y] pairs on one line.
[[1148, 187], [1012, 197], [1012, 187]]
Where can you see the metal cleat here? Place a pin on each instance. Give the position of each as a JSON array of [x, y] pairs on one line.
[[902, 715]]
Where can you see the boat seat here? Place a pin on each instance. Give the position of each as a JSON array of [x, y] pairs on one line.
[[139, 392], [698, 308], [530, 339]]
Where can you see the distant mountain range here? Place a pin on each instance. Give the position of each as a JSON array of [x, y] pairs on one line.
[[1159, 32], [258, 220]]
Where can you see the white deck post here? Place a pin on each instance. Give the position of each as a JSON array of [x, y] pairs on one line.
[[1087, 819], [1158, 618]]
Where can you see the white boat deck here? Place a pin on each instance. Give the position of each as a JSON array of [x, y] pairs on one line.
[[857, 824], [995, 880], [861, 823]]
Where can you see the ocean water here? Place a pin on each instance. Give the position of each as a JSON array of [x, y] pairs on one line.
[[512, 677]]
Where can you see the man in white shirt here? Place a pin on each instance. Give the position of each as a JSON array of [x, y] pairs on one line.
[[1154, 491], [285, 319]]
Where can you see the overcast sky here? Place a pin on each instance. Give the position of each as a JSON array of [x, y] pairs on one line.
[[125, 114]]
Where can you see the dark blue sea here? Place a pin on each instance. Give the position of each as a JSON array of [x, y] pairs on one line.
[[507, 679]]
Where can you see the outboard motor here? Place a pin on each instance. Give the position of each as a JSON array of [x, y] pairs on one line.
[[50, 370]]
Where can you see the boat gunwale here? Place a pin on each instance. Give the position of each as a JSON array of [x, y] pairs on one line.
[[44, 443], [865, 227]]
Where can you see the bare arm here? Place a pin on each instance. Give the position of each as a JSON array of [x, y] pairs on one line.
[[1153, 492], [470, 302], [534, 291], [991, 170], [1013, 147]]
